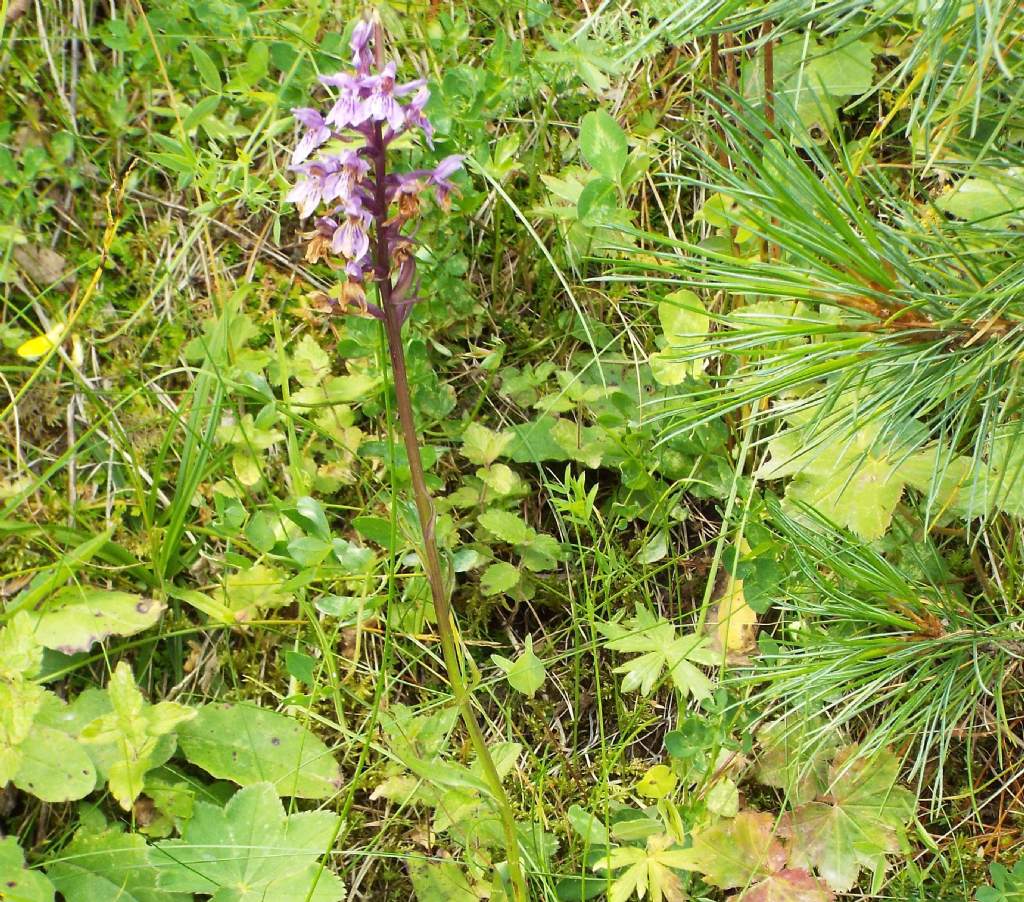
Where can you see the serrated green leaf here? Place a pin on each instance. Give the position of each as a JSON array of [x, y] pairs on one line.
[[499, 577], [863, 821], [111, 866], [251, 851], [483, 446], [134, 729]]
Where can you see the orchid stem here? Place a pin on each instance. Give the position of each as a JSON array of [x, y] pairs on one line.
[[425, 509]]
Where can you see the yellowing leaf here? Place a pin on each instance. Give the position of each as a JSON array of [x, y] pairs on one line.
[[41, 344], [657, 783], [734, 623]]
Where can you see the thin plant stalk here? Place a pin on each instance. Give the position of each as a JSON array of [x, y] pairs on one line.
[[425, 510]]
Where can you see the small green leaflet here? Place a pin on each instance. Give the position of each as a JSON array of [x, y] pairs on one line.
[[526, 673], [660, 649], [603, 144], [647, 871], [251, 851], [134, 728]]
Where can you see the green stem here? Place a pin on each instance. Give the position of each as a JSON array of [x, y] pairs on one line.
[[442, 607], [425, 509]]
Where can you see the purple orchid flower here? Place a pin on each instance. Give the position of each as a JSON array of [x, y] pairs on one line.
[[439, 178], [308, 193], [316, 133], [362, 55], [351, 239]]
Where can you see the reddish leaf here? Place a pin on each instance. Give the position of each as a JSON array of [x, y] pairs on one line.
[[789, 885]]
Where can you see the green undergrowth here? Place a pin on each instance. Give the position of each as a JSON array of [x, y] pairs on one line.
[[716, 374]]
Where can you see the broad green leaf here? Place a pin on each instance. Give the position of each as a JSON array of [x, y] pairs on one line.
[[483, 446], [526, 674], [250, 851], [250, 745], [499, 577], [110, 866], [864, 820], [603, 144], [245, 594], [660, 649], [590, 828], [18, 883], [684, 323], [854, 480], [992, 202], [54, 767], [842, 69], [77, 618], [205, 66]]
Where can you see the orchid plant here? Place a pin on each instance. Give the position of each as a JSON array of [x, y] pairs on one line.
[[363, 216]]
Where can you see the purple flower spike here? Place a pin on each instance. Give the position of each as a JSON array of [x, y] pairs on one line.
[[316, 133], [365, 206]]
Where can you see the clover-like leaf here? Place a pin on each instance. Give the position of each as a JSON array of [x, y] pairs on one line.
[[251, 851], [660, 649], [863, 820]]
